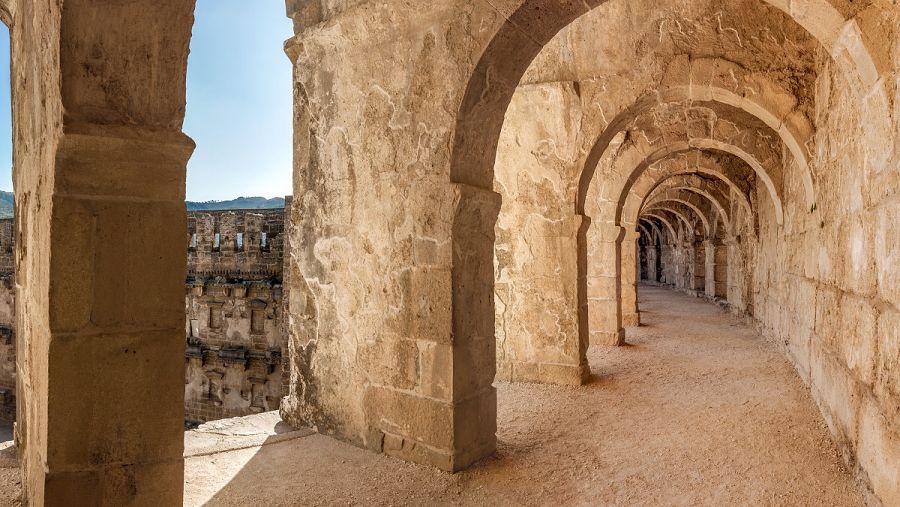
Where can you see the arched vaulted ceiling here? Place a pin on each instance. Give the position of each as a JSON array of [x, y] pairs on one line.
[[748, 61]]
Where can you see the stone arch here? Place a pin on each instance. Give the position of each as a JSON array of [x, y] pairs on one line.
[[702, 190], [530, 24], [715, 80], [675, 200], [695, 260], [644, 229], [699, 129], [722, 187], [665, 221], [680, 212], [654, 229], [710, 145], [7, 12], [525, 27], [721, 214], [678, 250], [701, 163]]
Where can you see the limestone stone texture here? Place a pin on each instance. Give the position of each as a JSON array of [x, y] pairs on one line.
[[475, 185], [467, 170], [234, 305], [99, 177]]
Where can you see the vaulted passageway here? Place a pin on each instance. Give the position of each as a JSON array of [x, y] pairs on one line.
[[697, 409], [455, 162]]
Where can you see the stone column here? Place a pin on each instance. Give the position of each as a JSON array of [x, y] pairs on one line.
[[699, 281], [652, 262], [391, 278], [721, 271], [604, 284], [668, 263], [710, 268], [540, 328], [631, 315], [735, 279], [99, 172], [683, 260]]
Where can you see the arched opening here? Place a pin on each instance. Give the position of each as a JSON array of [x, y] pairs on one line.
[[239, 112], [394, 301], [7, 246], [527, 29]]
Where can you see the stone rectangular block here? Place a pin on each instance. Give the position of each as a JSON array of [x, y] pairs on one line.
[[115, 398], [879, 452], [114, 273]]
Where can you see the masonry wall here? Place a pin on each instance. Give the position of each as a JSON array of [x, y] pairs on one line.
[[824, 286], [539, 336], [828, 289], [246, 244], [7, 323], [235, 306], [234, 301]]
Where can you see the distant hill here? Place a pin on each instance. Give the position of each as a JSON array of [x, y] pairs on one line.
[[6, 204], [239, 203]]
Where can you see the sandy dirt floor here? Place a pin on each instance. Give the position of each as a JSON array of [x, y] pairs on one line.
[[697, 410], [10, 487]]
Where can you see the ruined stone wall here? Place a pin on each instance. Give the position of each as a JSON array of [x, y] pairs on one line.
[[245, 244], [828, 288], [235, 345], [235, 306], [539, 335], [7, 322], [407, 291]]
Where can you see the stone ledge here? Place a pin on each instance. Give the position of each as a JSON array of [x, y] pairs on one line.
[[240, 433]]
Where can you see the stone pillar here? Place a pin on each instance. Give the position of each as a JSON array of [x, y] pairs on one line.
[[99, 172], [721, 271], [631, 315], [668, 265], [684, 264], [710, 269], [737, 293], [391, 279], [604, 284], [652, 262], [540, 334], [699, 282], [540, 326]]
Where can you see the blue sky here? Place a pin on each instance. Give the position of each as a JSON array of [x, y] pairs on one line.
[[239, 102], [5, 113]]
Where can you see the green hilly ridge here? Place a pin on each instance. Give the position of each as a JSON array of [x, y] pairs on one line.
[[6, 204], [239, 203]]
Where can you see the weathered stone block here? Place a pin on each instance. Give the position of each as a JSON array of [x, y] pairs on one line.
[[424, 420], [879, 452], [836, 392], [104, 238], [855, 343], [125, 419]]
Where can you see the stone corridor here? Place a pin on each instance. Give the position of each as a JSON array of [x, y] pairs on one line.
[[697, 409], [478, 186]]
